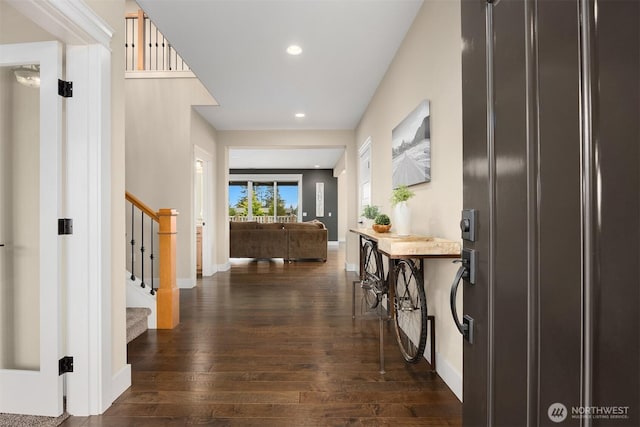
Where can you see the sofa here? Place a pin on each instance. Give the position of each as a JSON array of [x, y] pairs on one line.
[[289, 241]]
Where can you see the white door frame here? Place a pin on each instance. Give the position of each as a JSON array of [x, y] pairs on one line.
[[90, 389], [364, 152], [207, 207]]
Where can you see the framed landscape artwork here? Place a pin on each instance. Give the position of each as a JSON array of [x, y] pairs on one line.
[[411, 148]]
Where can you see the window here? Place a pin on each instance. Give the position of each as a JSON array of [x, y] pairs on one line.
[[238, 196], [274, 198]]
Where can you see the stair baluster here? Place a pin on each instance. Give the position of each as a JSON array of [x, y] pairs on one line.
[[153, 288], [142, 285], [133, 244]]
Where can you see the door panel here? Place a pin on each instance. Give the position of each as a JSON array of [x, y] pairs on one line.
[[475, 178], [510, 256], [559, 207], [616, 357], [30, 340], [551, 132]]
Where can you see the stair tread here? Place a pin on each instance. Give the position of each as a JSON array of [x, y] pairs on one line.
[[136, 321], [134, 313]]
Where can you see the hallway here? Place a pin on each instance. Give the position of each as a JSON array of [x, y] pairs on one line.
[[273, 344]]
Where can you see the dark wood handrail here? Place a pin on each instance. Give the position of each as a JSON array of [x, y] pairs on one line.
[[143, 207]]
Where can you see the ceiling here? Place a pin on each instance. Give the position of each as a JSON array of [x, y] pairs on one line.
[[237, 49]]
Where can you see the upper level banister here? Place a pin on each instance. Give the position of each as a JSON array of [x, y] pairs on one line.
[[146, 48], [142, 206]]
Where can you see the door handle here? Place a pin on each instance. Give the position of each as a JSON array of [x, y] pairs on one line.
[[467, 272]]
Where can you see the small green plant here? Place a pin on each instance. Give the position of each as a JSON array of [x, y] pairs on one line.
[[370, 212], [382, 219], [401, 194]]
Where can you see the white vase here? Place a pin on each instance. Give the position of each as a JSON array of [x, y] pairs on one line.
[[402, 219]]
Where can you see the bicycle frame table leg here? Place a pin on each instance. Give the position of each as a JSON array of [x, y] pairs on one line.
[[353, 299], [381, 345]]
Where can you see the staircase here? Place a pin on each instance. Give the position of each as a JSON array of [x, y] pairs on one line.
[[151, 279]]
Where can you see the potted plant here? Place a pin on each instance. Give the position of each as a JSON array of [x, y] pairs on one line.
[[402, 213], [382, 223], [370, 212]]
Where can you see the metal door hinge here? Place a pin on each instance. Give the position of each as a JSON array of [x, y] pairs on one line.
[[65, 365], [65, 89], [65, 226]]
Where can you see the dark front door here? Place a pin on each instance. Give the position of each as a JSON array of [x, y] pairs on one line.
[[551, 113]]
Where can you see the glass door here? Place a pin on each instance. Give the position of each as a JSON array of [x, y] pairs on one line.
[[30, 146]]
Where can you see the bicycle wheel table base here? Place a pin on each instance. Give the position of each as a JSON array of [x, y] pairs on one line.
[[373, 280], [409, 310]]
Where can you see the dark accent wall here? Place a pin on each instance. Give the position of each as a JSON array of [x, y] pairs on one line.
[[309, 179]]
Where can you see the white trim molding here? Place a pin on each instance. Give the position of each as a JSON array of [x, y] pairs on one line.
[[71, 20], [451, 377], [350, 267], [159, 75], [88, 172], [186, 283], [120, 382]]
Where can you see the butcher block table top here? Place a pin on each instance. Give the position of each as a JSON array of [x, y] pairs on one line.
[[412, 246]]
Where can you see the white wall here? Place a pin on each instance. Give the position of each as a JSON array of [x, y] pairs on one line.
[[159, 153], [427, 66]]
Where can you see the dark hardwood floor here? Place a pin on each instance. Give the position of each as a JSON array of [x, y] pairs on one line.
[[273, 344]]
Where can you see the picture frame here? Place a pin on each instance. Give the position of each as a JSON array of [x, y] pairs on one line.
[[411, 148]]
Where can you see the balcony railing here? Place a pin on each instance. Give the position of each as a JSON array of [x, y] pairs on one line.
[[146, 49], [264, 219]]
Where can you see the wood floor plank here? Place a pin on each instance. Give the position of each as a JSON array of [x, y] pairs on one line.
[[273, 344]]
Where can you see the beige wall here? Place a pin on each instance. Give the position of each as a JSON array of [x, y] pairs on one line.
[[427, 66], [159, 153], [266, 139], [15, 28]]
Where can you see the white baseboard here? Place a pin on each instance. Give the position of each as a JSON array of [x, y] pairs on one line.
[[184, 283], [350, 267], [451, 377], [120, 382], [333, 243], [224, 267]]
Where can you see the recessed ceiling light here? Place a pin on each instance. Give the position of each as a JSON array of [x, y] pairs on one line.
[[294, 49], [316, 166], [300, 115]]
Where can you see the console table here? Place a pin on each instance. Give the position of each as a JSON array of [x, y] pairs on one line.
[[415, 248]]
